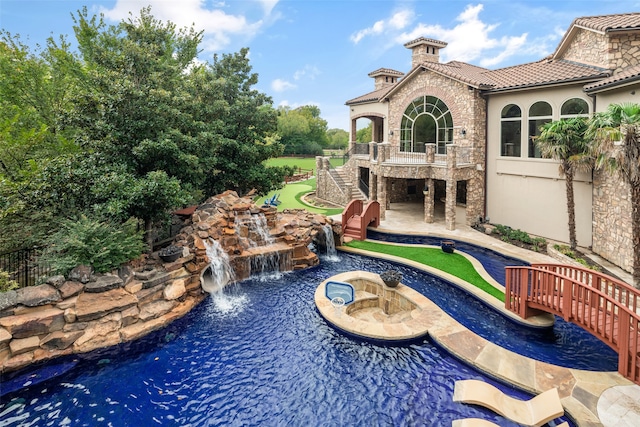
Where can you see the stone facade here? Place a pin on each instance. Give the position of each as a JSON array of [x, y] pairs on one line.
[[624, 51], [588, 47], [612, 234]]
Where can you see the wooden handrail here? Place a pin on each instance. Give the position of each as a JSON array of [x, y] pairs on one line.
[[371, 214], [601, 304]]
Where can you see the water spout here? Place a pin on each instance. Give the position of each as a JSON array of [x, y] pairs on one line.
[[219, 273], [330, 243]]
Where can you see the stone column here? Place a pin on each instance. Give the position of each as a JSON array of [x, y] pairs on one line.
[[372, 149], [430, 153], [352, 135], [321, 178], [450, 202], [373, 185], [429, 200], [382, 195]]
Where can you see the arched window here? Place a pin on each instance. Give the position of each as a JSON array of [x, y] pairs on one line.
[[427, 120], [539, 114], [574, 107], [510, 123]]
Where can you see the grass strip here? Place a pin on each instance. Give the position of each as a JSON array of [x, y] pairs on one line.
[[290, 197], [454, 264]]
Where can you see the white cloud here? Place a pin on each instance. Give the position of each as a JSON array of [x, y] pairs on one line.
[[398, 21], [218, 25], [279, 85], [309, 71]]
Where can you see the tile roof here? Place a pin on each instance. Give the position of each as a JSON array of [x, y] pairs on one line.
[[628, 75], [461, 71], [385, 72], [604, 23], [424, 40], [543, 72], [370, 97]]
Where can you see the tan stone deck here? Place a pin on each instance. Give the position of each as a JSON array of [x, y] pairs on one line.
[[591, 398]]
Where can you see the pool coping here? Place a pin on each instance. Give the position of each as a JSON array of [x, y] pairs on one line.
[[579, 390], [411, 329]]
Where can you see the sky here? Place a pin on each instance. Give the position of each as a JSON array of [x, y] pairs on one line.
[[320, 52]]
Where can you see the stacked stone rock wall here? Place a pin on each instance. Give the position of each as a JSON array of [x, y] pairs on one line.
[[612, 234], [87, 312]]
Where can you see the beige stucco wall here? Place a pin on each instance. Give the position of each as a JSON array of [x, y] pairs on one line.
[[530, 194]]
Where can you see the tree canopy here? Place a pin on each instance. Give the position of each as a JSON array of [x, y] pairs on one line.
[[130, 125], [302, 130]]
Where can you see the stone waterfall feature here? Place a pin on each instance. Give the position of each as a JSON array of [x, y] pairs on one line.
[[257, 239]]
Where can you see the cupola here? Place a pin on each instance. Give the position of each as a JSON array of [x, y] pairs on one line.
[[424, 50]]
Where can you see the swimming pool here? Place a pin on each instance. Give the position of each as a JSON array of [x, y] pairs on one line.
[[260, 356], [566, 344]]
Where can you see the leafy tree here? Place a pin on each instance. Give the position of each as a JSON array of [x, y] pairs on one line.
[[617, 148], [364, 134], [338, 138], [302, 130], [35, 92], [564, 140]]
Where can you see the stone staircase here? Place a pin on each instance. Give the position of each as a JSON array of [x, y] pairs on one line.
[[340, 176]]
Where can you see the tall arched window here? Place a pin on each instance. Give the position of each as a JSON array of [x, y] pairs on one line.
[[427, 120], [574, 107], [539, 114], [510, 123]]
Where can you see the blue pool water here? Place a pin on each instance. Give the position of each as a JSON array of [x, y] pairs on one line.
[[492, 261], [260, 356], [566, 344]]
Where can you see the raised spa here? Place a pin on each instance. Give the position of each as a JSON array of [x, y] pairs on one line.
[[359, 303]]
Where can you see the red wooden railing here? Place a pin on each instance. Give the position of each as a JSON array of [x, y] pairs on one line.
[[353, 208], [356, 219], [604, 306]]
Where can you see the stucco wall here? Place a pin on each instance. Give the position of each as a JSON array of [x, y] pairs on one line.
[[528, 193]]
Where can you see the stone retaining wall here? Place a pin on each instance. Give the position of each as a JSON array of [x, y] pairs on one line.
[[87, 311]]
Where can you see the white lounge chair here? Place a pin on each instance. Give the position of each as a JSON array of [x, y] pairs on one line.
[[535, 412]]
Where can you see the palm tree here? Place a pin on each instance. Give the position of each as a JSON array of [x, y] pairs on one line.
[[617, 148], [564, 140]]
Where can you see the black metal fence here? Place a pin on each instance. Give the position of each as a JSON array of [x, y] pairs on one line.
[[23, 266]]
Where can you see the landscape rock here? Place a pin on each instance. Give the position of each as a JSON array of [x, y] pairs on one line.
[[174, 290], [60, 340], [5, 336], [81, 273], [34, 296], [70, 288], [56, 281], [8, 299], [34, 323], [155, 309], [24, 345], [104, 283], [94, 306]]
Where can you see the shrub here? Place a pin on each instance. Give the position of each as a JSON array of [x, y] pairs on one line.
[[508, 234], [6, 284], [102, 244]]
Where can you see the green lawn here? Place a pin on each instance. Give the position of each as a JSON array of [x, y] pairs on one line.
[[454, 264], [291, 198], [308, 163]]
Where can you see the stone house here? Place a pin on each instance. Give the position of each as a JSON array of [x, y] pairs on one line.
[[458, 139]]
